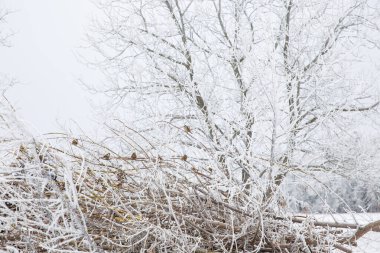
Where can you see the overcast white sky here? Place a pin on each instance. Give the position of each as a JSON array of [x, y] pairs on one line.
[[48, 34], [43, 59]]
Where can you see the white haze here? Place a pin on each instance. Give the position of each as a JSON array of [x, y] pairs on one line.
[[43, 59]]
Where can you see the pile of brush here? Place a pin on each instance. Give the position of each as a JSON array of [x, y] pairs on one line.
[[84, 197]]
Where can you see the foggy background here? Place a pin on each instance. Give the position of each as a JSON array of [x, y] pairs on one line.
[[43, 58]]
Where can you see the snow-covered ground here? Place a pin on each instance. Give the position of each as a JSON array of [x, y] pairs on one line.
[[370, 243]]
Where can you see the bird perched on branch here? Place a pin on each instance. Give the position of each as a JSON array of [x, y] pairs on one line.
[[184, 158], [133, 156], [187, 129], [74, 142], [42, 158], [22, 149], [106, 156]]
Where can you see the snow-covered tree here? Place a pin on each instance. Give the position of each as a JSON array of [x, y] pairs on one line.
[[262, 89]]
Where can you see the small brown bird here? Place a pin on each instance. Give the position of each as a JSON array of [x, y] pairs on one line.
[[42, 158], [22, 149], [106, 156], [133, 156], [187, 129], [74, 142], [184, 158]]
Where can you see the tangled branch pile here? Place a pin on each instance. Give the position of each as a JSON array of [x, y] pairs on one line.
[[86, 198]]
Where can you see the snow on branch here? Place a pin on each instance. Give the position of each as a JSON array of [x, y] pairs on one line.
[[74, 194]]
